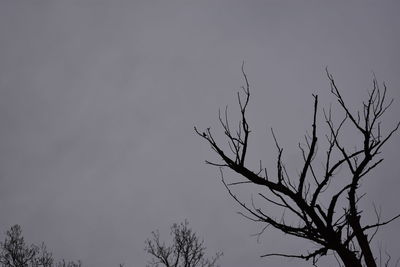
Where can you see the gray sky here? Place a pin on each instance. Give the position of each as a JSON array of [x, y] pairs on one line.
[[98, 100]]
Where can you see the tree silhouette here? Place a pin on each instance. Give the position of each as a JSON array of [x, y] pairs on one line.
[[330, 219], [14, 252], [186, 249]]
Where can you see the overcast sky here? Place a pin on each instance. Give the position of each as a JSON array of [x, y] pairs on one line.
[[98, 100]]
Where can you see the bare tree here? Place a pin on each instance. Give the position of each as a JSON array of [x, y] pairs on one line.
[[330, 219], [186, 249], [64, 263], [14, 252]]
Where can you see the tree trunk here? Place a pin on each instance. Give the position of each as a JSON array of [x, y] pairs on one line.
[[348, 258], [363, 242]]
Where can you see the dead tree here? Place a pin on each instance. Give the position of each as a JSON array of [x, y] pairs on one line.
[[186, 249], [334, 225]]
